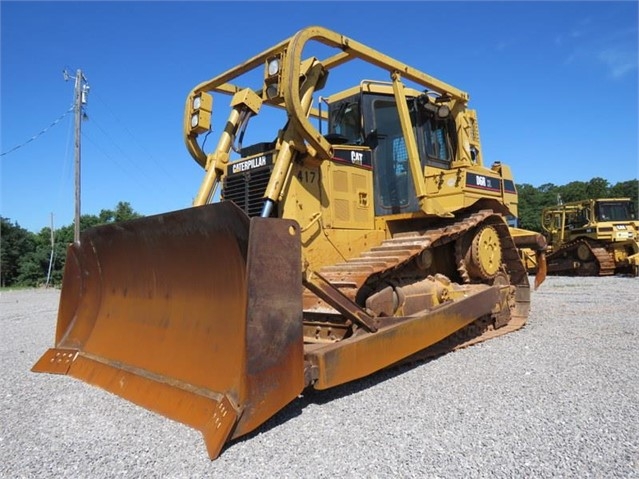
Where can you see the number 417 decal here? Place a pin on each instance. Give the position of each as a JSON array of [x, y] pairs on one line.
[[307, 176]]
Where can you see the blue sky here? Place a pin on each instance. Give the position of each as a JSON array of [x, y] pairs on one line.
[[554, 85]]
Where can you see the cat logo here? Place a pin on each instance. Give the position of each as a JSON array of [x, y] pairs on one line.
[[357, 157], [353, 157]]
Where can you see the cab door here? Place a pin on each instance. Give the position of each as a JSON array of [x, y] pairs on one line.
[[394, 187]]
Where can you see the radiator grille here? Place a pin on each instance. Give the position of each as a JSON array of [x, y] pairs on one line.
[[247, 189]]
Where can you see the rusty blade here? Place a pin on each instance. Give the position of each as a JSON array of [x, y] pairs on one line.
[[155, 311], [542, 270], [274, 331], [165, 294]]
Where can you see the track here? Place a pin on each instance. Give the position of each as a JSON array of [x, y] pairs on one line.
[[399, 257], [567, 261]]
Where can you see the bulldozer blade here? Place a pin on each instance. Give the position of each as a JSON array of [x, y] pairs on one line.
[[542, 268], [194, 314], [537, 243]]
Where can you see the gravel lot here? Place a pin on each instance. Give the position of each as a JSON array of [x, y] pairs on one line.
[[559, 398]]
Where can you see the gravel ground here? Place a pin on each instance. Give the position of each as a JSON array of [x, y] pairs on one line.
[[559, 398]]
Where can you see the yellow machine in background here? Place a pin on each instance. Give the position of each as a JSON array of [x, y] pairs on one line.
[[310, 258], [595, 237], [532, 248]]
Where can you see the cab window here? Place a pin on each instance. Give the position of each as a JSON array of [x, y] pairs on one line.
[[345, 123]]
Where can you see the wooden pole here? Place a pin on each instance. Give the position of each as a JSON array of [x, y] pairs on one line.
[[78, 126], [52, 253]]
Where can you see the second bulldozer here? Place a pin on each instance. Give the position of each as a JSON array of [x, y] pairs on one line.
[[594, 237], [361, 229]]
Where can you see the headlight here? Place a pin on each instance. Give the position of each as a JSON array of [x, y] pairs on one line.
[[443, 111], [272, 90], [195, 118], [274, 66]]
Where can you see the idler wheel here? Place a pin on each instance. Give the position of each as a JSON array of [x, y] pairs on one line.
[[583, 252], [484, 257]]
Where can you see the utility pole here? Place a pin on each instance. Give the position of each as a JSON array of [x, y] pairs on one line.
[[52, 252], [80, 98]]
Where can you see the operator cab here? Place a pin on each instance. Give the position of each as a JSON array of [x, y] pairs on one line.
[[615, 211], [371, 120]]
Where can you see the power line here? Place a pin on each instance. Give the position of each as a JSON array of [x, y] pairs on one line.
[[134, 137], [117, 146], [39, 134], [109, 157], [65, 170]]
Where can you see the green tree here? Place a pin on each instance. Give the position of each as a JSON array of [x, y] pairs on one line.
[[29, 265], [597, 188], [34, 267], [626, 189], [123, 212], [574, 191], [89, 221], [15, 243], [528, 206], [532, 200]]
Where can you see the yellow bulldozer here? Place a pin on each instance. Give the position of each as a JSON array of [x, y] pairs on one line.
[[363, 231], [594, 237]]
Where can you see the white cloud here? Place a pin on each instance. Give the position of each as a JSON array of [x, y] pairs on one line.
[[618, 61], [615, 50]]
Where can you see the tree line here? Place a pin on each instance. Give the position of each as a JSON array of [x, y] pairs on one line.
[[28, 259]]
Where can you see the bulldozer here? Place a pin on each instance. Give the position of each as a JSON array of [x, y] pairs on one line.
[[364, 231], [593, 237]]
